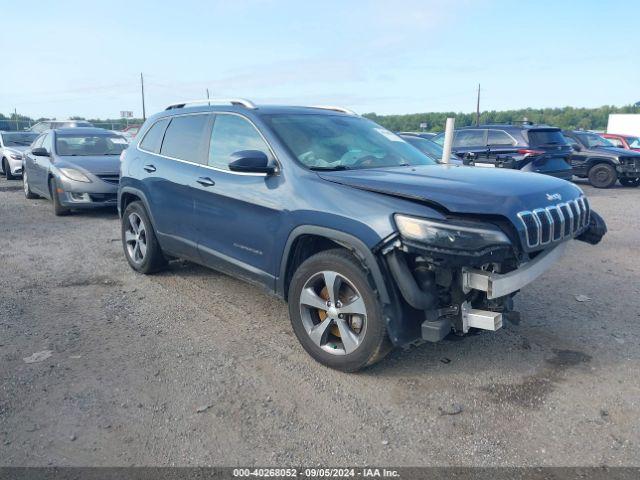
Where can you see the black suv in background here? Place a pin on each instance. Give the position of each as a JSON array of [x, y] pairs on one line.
[[526, 147], [600, 161]]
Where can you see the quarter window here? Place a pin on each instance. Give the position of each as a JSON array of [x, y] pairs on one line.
[[38, 142], [184, 137], [499, 138], [232, 133], [153, 139], [469, 138], [47, 144]]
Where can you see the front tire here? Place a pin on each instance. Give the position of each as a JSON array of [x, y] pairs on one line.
[[7, 170], [141, 247], [335, 312], [58, 209], [602, 175], [25, 185], [630, 182]]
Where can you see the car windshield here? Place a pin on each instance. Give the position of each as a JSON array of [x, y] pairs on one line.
[[89, 145], [634, 142], [18, 139], [339, 142], [591, 140], [427, 147]]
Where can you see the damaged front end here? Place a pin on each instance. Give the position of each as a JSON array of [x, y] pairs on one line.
[[461, 273]]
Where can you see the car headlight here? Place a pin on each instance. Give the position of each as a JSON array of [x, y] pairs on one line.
[[451, 236], [16, 155], [74, 174]]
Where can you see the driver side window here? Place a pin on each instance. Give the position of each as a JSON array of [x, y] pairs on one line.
[[232, 133]]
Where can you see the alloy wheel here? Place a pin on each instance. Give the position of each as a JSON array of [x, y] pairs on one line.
[[333, 313], [136, 238]]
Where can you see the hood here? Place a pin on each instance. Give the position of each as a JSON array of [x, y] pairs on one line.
[[612, 152], [463, 190], [19, 149], [99, 164]]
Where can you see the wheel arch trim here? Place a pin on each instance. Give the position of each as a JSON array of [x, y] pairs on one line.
[[138, 193], [345, 239]]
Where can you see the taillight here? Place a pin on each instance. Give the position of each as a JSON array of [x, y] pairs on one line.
[[122, 153], [528, 151]]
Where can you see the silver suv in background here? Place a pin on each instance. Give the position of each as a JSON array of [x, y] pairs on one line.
[[53, 124], [12, 147]]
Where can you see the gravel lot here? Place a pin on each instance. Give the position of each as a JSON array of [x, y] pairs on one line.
[[190, 367]]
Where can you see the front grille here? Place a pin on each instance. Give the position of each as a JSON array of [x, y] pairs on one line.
[[113, 179], [103, 197], [630, 164], [555, 223]]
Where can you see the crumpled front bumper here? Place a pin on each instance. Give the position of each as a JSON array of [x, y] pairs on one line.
[[498, 285]]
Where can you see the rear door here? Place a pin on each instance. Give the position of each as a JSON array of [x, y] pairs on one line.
[[502, 148], [470, 141], [169, 170], [550, 153], [239, 215]]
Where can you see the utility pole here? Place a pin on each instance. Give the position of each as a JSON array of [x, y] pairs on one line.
[[144, 113], [478, 108], [15, 112], [208, 96]]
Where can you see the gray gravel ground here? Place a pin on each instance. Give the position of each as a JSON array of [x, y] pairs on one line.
[[190, 367]]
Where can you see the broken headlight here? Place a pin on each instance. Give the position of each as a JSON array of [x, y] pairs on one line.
[[450, 235]]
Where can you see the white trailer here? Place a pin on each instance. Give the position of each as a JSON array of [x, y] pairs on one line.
[[624, 124]]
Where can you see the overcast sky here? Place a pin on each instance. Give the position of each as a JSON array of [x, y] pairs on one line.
[[84, 58]]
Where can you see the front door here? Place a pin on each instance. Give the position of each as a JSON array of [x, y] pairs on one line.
[[239, 216]]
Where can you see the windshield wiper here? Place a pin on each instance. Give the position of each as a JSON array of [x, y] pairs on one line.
[[330, 169]]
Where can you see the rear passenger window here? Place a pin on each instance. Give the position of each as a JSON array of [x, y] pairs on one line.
[[231, 134], [184, 137], [152, 140], [499, 138], [469, 138]]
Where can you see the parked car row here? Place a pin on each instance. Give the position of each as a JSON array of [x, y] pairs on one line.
[[549, 150], [372, 243]]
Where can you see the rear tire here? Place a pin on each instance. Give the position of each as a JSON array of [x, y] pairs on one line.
[[319, 325], [25, 185], [58, 209], [141, 247], [630, 182], [602, 175], [7, 170]]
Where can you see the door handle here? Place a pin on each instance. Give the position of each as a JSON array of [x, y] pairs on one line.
[[206, 182], [150, 168]]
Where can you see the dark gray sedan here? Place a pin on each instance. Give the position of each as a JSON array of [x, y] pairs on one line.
[[76, 168]]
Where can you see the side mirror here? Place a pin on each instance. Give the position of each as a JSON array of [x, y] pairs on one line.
[[40, 152], [576, 147], [251, 161]]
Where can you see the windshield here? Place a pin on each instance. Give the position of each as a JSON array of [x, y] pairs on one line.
[[332, 142], [18, 139], [427, 147], [634, 142], [90, 145], [591, 140]]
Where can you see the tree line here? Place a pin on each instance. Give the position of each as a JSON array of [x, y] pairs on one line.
[[566, 118]]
